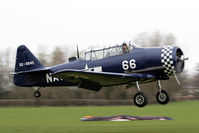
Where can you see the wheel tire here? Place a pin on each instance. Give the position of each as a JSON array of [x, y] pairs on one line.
[[163, 98], [37, 94], [140, 99]]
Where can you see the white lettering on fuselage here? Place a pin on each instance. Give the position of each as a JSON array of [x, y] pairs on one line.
[[129, 64], [50, 79], [26, 63]]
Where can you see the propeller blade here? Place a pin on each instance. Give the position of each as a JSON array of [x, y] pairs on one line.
[[176, 78]]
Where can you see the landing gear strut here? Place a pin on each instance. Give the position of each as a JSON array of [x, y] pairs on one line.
[[37, 93], [140, 99], [162, 96]]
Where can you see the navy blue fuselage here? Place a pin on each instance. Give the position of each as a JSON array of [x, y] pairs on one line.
[[160, 62]]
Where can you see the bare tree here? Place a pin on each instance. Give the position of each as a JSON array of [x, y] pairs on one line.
[[58, 56], [170, 39], [154, 39], [43, 55]]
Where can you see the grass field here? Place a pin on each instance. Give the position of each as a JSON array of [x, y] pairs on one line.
[[67, 119]]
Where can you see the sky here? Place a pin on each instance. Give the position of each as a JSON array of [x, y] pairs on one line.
[[97, 22]]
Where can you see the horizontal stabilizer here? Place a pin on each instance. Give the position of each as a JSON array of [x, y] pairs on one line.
[[34, 70]]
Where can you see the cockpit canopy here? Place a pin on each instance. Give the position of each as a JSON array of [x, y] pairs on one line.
[[96, 54]]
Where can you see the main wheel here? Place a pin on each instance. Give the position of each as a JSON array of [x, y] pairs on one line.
[[163, 97], [37, 94], [140, 99]]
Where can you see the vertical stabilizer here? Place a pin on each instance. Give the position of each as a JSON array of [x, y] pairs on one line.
[[25, 60]]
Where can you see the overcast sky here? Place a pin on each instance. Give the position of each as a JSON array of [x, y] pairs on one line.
[[102, 22]]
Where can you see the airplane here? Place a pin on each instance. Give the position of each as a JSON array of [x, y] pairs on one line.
[[124, 64]]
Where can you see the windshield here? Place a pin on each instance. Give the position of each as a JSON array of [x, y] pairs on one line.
[[108, 51]]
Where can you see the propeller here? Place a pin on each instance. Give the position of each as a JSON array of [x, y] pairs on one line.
[[180, 65]]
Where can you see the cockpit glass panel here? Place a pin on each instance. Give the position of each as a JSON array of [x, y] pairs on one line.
[[93, 55], [113, 51], [119, 50], [107, 52], [131, 48], [98, 54], [83, 56], [88, 56]]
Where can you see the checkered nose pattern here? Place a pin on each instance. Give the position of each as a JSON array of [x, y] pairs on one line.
[[166, 59]]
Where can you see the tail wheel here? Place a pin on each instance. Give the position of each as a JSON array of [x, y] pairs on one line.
[[163, 97], [37, 94], [140, 99]]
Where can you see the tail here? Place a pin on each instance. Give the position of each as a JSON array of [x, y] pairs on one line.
[[26, 61], [27, 68]]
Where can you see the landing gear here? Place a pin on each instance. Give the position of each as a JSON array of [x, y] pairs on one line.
[[37, 93], [140, 99], [162, 96]]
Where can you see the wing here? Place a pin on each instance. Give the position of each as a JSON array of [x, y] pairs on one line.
[[95, 80]]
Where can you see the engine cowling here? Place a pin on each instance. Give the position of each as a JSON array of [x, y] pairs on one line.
[[172, 59]]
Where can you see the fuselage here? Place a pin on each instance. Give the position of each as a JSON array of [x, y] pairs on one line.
[[139, 60]]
